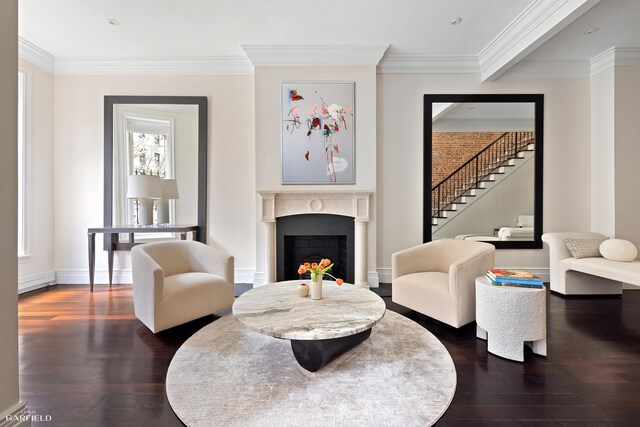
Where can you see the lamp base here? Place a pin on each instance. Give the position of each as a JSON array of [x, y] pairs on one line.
[[145, 211], [163, 211]]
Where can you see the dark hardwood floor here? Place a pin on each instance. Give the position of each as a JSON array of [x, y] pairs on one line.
[[85, 360]]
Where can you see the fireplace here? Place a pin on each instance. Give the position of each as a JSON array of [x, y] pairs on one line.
[[312, 237], [352, 206]]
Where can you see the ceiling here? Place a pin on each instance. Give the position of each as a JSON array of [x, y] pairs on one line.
[[71, 30], [484, 117]]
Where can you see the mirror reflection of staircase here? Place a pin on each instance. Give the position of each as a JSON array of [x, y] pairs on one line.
[[474, 178]]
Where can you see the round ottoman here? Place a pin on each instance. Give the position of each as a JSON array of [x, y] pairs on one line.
[[510, 317]]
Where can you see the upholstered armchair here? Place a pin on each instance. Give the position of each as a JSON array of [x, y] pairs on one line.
[[178, 281], [438, 278]]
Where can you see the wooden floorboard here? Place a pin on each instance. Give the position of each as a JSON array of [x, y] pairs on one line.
[[85, 360]]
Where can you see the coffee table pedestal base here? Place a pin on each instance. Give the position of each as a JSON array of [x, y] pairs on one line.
[[314, 354]]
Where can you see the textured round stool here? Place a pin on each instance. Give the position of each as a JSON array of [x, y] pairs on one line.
[[509, 317]]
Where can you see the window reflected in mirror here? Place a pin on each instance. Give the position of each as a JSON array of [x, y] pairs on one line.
[[144, 146]]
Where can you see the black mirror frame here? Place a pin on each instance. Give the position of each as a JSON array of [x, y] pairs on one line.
[[202, 103], [538, 100]]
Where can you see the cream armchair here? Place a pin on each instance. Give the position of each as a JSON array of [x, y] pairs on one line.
[[438, 278], [179, 281]]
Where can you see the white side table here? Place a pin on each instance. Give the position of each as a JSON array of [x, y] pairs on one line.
[[510, 317]]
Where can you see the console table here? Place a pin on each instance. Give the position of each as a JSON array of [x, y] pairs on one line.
[[113, 243]]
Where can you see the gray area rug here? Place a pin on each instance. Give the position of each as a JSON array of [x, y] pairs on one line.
[[226, 375]]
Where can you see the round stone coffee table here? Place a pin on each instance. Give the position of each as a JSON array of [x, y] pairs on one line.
[[319, 330]]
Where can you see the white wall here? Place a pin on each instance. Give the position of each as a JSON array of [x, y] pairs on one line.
[[603, 193], [566, 201], [37, 268], [78, 164], [627, 153], [8, 208], [268, 82], [244, 156]]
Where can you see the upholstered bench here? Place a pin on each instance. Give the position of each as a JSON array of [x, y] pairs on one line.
[[586, 276]]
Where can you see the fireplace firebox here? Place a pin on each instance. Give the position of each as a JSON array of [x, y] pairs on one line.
[[312, 237]]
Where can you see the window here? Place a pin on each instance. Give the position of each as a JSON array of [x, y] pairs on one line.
[[22, 166], [142, 145], [149, 153]]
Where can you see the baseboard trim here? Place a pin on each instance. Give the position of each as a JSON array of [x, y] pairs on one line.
[[101, 277], [16, 416], [543, 273], [244, 275], [81, 277], [32, 282], [384, 274], [373, 279], [258, 279]]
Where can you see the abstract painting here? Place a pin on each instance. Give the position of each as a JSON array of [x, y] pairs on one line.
[[318, 133]]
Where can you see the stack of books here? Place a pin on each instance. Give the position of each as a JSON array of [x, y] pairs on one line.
[[517, 278]]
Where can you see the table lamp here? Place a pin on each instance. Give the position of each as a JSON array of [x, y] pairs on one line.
[[144, 188], [169, 191]]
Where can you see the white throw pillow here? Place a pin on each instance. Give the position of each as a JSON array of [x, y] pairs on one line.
[[584, 247], [618, 250]]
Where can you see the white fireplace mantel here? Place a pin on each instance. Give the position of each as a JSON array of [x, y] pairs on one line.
[[277, 204]]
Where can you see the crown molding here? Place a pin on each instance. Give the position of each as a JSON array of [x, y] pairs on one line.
[[548, 70], [413, 64], [627, 56], [196, 65], [603, 61], [34, 55], [614, 56], [153, 66], [538, 22], [275, 55]]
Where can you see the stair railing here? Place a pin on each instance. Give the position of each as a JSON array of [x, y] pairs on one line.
[[471, 173]]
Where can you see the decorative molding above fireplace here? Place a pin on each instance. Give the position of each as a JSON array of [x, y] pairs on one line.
[[348, 203], [355, 204]]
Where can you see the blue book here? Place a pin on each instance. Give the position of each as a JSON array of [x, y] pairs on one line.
[[522, 281], [516, 285]]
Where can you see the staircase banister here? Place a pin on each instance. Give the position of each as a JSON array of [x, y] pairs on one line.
[[485, 171]]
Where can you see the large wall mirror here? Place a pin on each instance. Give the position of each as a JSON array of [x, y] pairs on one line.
[[483, 168], [161, 139]]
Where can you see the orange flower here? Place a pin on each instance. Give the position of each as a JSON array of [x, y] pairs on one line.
[[314, 265], [307, 265], [339, 282], [302, 269], [324, 263]]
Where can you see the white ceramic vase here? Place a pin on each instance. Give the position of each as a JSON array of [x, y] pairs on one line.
[[315, 288], [303, 290]]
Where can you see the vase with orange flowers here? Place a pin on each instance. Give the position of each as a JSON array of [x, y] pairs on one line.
[[318, 270]]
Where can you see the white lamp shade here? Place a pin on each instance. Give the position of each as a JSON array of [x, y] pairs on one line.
[[144, 187], [169, 189]]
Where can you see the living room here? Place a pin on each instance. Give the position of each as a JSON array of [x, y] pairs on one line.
[[589, 83]]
